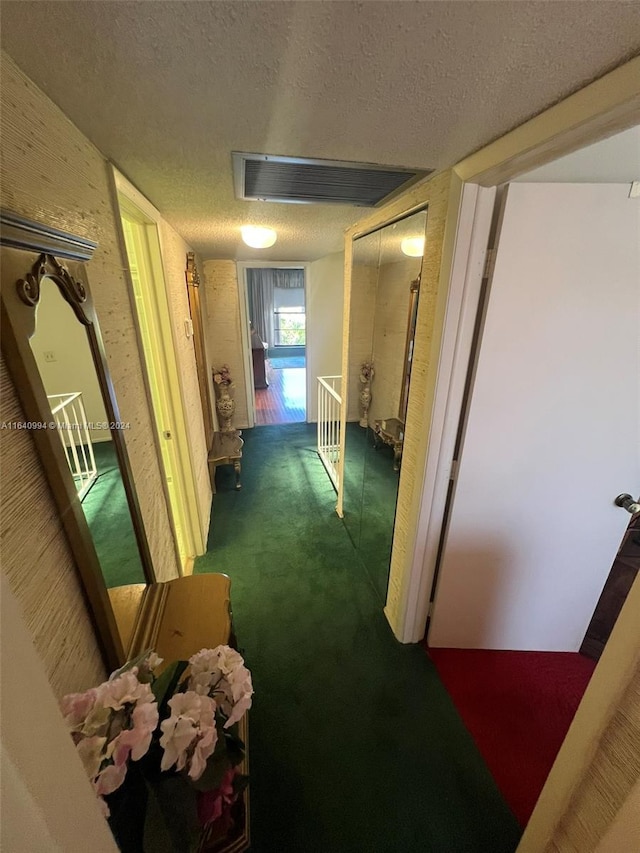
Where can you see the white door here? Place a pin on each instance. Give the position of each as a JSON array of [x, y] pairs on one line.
[[552, 429]]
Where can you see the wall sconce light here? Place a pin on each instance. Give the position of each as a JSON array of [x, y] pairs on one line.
[[413, 246], [258, 237]]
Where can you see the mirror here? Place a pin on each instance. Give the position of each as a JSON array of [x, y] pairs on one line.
[[68, 373], [53, 349], [385, 283]]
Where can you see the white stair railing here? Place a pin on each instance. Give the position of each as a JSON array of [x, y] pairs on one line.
[[73, 429], [329, 411]]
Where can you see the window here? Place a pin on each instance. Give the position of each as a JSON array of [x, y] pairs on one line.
[[290, 326]]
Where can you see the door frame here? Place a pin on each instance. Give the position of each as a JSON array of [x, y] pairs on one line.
[[604, 108], [243, 301], [185, 509]]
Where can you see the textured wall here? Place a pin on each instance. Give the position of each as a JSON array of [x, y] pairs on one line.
[[364, 279], [390, 335], [57, 177], [324, 324], [222, 329], [38, 562], [51, 173], [174, 257], [613, 772]]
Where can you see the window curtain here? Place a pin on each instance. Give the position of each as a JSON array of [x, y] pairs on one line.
[[261, 283], [287, 278], [260, 287]]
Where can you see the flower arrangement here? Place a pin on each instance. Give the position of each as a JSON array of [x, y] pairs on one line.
[[162, 752], [366, 372], [222, 376]]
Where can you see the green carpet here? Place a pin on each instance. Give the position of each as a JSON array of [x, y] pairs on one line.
[[354, 743], [107, 512], [371, 492]]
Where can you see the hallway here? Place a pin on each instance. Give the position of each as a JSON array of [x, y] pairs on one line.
[[354, 743]]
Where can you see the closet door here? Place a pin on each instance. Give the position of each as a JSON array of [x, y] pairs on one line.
[[552, 429]]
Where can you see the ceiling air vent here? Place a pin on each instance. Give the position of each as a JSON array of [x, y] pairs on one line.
[[262, 177]]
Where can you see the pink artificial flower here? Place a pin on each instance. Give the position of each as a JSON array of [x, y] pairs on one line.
[[110, 779], [76, 706], [211, 803], [190, 733], [124, 689], [135, 742], [222, 671], [204, 747]]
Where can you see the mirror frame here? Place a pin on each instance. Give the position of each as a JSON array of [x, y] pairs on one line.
[[414, 291], [31, 251], [195, 310]]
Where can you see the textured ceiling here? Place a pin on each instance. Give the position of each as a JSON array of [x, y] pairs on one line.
[[168, 89]]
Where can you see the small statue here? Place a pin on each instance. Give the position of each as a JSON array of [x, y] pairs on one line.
[[366, 375], [225, 404]]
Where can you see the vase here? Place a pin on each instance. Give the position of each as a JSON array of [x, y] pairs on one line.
[[226, 406], [365, 402]]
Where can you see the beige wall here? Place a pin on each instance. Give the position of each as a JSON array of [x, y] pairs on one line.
[[324, 324], [37, 561], [608, 781], [364, 280], [222, 329], [390, 335], [51, 173], [58, 332]]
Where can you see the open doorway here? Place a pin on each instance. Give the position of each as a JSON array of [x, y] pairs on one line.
[[277, 326], [549, 440]]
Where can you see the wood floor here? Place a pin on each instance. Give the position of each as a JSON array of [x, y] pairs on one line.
[[284, 401]]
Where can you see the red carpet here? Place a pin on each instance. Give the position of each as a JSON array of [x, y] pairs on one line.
[[518, 707]]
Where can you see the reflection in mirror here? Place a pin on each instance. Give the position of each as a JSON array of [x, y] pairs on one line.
[[385, 280], [65, 363]]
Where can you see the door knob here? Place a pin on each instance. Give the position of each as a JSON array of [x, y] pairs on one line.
[[628, 503]]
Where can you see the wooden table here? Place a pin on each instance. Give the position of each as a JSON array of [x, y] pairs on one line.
[[177, 619], [226, 449]]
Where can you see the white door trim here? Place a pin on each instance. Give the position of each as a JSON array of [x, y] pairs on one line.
[[473, 227], [243, 301], [192, 522]]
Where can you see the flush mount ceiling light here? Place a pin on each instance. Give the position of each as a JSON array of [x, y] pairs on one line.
[[413, 246], [258, 237]]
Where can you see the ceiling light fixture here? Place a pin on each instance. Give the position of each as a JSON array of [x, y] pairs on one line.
[[413, 246], [258, 237]]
